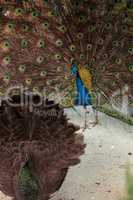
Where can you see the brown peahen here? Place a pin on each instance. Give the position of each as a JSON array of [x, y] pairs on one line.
[[37, 147]]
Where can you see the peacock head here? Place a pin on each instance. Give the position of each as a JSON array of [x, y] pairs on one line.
[[74, 68]]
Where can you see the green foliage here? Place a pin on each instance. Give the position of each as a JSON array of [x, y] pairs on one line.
[[129, 184], [115, 115]]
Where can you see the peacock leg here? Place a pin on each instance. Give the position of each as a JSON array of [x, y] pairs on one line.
[[94, 116], [96, 121], [85, 121]]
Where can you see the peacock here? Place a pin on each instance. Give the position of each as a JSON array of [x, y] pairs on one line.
[[37, 147], [40, 40], [84, 87]]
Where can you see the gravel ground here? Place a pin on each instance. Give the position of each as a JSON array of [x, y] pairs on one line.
[[101, 174]]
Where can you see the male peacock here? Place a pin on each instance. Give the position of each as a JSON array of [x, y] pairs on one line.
[[39, 39], [84, 89]]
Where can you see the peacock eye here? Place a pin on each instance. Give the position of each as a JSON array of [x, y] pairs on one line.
[[6, 45], [124, 28], [130, 50], [28, 81], [73, 48], [19, 11], [59, 43], [80, 36], [25, 27], [7, 60], [49, 82], [108, 26], [82, 18], [130, 68], [59, 69], [118, 61], [40, 59], [10, 26], [6, 78], [100, 41], [51, 14], [35, 14], [89, 46], [58, 57], [92, 28], [41, 43], [22, 68], [115, 43], [35, 89], [24, 44], [62, 29], [46, 25], [82, 56], [43, 73], [105, 56]]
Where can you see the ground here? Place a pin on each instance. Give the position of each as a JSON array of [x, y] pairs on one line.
[[101, 174]]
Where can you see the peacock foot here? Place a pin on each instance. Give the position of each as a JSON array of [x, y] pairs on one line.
[[95, 123], [85, 127]]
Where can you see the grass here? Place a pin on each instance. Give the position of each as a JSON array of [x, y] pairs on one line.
[[115, 115]]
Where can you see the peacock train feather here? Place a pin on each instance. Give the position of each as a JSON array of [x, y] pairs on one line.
[[38, 39]]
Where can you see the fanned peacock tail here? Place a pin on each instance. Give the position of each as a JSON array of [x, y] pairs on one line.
[[39, 38], [37, 147], [99, 37], [27, 55]]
